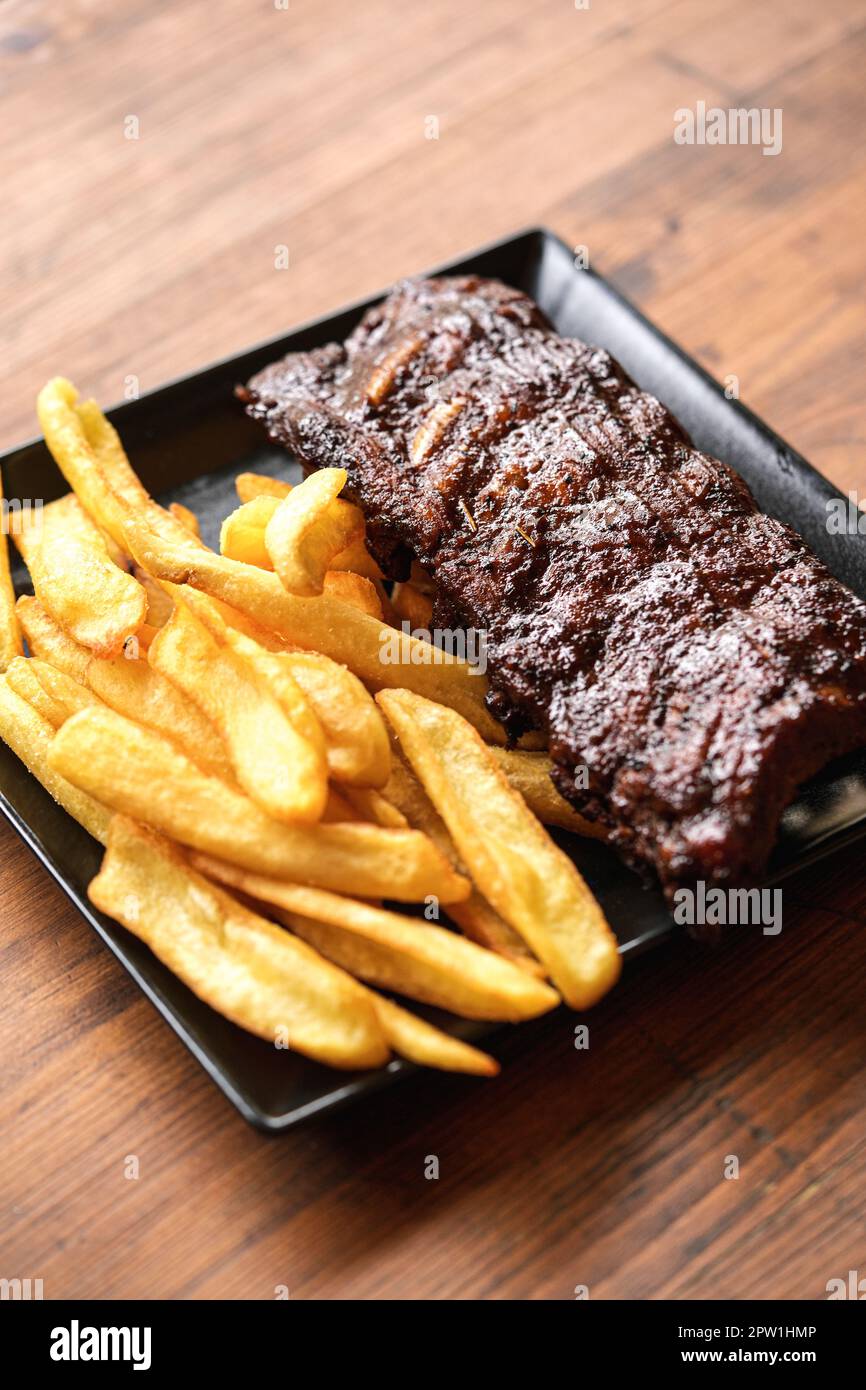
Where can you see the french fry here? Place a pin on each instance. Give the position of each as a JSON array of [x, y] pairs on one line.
[[338, 809], [243, 534], [373, 806], [358, 750], [349, 576], [131, 687], [252, 485], [475, 917], [308, 528], [420, 1042], [354, 589], [29, 735], [95, 602], [141, 774], [404, 791], [21, 678], [428, 964], [421, 580], [48, 641], [75, 456], [322, 624], [513, 861], [89, 454], [268, 668], [186, 517], [10, 633], [280, 765], [357, 559], [244, 966], [411, 606], [67, 695], [418, 959], [357, 741], [137, 691], [159, 605], [482, 923], [414, 1038], [529, 774], [120, 480], [55, 695]]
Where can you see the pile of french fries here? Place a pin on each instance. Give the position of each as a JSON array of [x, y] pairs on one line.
[[263, 781]]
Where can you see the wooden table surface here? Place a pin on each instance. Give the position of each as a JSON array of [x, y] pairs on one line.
[[261, 127]]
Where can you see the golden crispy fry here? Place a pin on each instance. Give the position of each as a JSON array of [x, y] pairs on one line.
[[357, 741], [411, 606], [54, 694], [137, 691], [67, 695], [268, 668], [29, 736], [251, 485], [354, 589], [358, 750], [282, 770], [135, 771], [373, 806], [159, 605], [475, 917], [338, 809], [139, 643], [308, 528], [120, 479], [246, 967], [98, 604], [529, 774], [89, 454], [187, 518], [10, 633], [413, 957], [420, 1042], [75, 455], [482, 923], [420, 580], [514, 863], [21, 678], [321, 624], [46, 640], [251, 546], [222, 711], [404, 791], [357, 559], [130, 687], [426, 963], [242, 536]]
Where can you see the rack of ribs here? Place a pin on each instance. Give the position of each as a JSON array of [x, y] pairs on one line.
[[690, 659]]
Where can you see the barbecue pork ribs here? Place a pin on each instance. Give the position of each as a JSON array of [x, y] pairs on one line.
[[689, 652]]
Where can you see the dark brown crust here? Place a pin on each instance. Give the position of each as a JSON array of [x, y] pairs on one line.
[[690, 652]]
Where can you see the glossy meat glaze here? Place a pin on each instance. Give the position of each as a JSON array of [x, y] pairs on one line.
[[690, 658]]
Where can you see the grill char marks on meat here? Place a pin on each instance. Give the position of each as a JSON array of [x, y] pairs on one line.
[[690, 652]]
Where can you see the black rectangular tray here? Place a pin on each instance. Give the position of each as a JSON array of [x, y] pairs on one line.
[[188, 440]]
